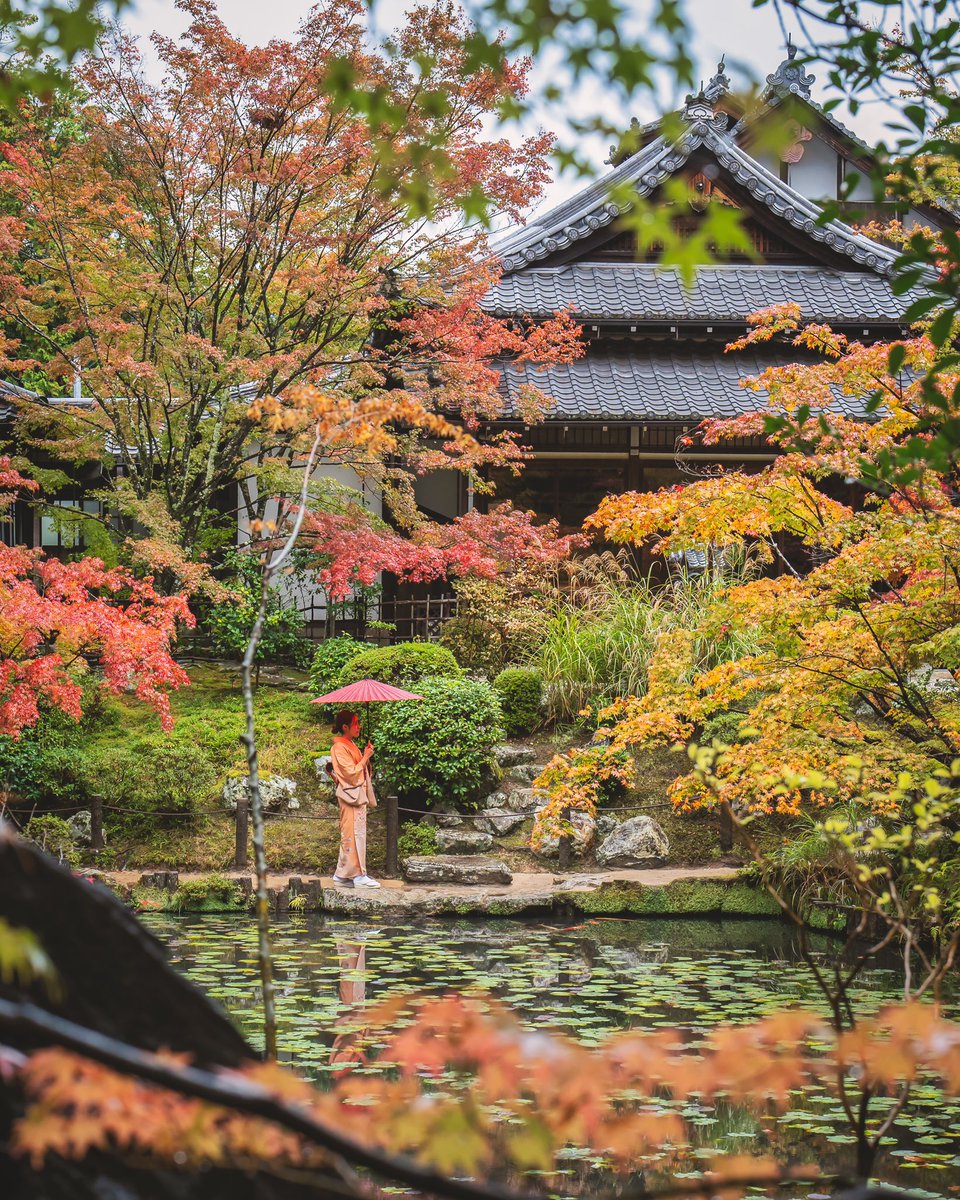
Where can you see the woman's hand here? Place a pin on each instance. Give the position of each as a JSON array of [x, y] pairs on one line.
[[368, 752]]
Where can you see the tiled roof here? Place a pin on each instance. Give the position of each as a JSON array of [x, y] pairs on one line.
[[592, 209], [661, 384], [645, 292]]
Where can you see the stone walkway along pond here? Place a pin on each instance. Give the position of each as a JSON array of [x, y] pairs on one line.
[[660, 891]]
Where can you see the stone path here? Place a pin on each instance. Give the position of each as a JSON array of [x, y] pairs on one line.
[[666, 891]]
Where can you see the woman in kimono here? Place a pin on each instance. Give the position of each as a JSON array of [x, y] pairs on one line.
[[350, 768]]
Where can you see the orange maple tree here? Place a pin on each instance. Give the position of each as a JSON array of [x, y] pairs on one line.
[[284, 252], [820, 675]]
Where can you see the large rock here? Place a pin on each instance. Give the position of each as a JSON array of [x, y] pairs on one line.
[[498, 821], [444, 868], [276, 792], [81, 825], [494, 800], [512, 756], [524, 773], [463, 841], [442, 820], [606, 824], [634, 843], [584, 831], [526, 801]]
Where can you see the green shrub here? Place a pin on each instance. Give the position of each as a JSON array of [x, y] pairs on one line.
[[416, 839], [53, 835], [521, 697], [722, 727], [329, 659], [230, 624], [147, 779], [211, 893], [402, 665], [476, 644], [440, 747]]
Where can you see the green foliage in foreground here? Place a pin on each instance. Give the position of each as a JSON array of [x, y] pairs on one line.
[[439, 748]]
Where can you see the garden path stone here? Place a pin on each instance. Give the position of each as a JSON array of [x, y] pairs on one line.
[[512, 756], [463, 841], [606, 824], [81, 825], [525, 800], [635, 843], [442, 820], [452, 868], [498, 821]]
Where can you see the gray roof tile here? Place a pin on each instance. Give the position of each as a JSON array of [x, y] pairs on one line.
[[645, 292], [592, 209], [658, 384]]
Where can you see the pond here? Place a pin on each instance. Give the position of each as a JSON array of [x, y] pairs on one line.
[[587, 980]]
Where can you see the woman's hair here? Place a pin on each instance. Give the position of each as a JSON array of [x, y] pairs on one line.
[[343, 719]]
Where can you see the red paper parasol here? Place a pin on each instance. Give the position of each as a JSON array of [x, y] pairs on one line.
[[365, 691]]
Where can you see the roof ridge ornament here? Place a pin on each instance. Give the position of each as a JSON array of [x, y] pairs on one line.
[[720, 84], [699, 110], [791, 76]]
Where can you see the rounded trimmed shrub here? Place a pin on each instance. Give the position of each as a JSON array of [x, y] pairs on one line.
[[521, 698], [441, 747], [329, 659], [401, 665]]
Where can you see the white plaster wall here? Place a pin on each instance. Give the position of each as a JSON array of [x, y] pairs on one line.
[[302, 593], [440, 492], [815, 175]]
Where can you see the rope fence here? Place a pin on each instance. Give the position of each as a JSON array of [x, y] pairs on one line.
[[392, 811]]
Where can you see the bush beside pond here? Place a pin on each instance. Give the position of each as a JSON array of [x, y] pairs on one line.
[[440, 747]]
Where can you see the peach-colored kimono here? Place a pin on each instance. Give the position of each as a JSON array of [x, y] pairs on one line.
[[348, 1049], [352, 775]]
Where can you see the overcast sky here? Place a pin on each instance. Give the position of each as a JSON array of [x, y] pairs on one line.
[[751, 39]]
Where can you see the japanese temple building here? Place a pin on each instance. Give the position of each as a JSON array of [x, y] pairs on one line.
[[655, 362]]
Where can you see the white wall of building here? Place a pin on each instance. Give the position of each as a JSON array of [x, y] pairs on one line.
[[815, 175], [306, 596]]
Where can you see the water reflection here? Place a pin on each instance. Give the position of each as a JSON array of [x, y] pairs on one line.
[[586, 980], [348, 1050]]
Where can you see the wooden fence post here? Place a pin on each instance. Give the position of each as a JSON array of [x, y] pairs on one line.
[[391, 867], [96, 822], [243, 819], [566, 843], [726, 830]]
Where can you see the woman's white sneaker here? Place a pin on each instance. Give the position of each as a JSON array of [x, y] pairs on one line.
[[365, 881]]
